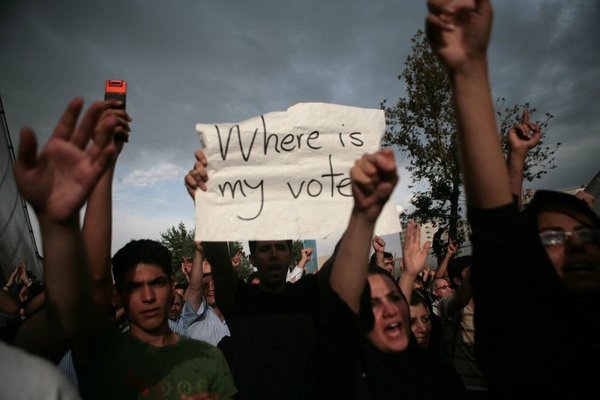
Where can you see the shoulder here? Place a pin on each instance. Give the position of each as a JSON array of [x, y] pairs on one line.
[[42, 379]]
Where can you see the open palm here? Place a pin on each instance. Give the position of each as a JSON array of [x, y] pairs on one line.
[[58, 180]]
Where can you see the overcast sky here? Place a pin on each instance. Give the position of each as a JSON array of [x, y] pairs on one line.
[[192, 61]]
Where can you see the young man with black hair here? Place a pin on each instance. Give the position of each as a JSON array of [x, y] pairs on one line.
[[150, 360]]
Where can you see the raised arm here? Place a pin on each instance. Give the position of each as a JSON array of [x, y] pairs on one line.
[[56, 182], [459, 37], [521, 138], [379, 249], [224, 275], [414, 256], [97, 225], [298, 270], [193, 293], [373, 180], [440, 272]]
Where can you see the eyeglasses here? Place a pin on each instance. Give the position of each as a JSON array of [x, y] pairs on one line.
[[443, 287], [555, 238]]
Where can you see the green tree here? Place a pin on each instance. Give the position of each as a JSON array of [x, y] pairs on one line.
[[180, 242], [422, 125]]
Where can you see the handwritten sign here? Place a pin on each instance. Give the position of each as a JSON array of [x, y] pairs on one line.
[[285, 175]]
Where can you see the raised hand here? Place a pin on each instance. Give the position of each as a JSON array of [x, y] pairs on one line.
[[459, 31], [57, 181], [451, 248], [121, 128], [306, 253], [373, 177], [378, 244], [414, 255], [186, 267], [197, 176], [525, 135], [236, 260]]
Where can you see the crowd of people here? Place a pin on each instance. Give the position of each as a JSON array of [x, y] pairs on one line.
[[519, 318]]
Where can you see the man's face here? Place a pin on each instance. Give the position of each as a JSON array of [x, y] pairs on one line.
[[175, 309], [392, 329], [272, 259], [388, 264], [442, 288], [208, 287], [420, 324], [147, 295], [576, 262]]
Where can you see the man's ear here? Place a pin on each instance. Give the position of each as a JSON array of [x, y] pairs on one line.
[[456, 281]]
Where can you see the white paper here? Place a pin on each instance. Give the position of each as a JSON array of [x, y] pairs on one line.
[[285, 175]]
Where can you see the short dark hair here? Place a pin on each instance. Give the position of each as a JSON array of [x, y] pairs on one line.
[[417, 298], [253, 243], [551, 201], [373, 261], [456, 267], [140, 251]]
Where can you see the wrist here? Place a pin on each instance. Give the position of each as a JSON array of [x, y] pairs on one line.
[[518, 153], [475, 68], [48, 222]]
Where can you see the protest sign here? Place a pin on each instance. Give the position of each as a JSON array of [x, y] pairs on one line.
[[286, 175]]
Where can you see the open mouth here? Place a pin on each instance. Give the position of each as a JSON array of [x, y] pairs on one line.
[[393, 330]]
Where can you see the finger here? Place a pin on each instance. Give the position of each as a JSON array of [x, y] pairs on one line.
[[201, 157], [440, 6], [196, 179], [26, 156], [86, 127], [410, 228], [417, 234], [435, 25], [367, 163], [103, 137], [386, 165], [66, 124], [363, 181], [525, 117], [426, 247], [101, 163]]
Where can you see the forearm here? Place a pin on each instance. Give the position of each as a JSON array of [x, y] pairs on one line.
[[35, 304], [379, 259], [193, 293], [516, 166], [461, 297], [97, 236], [225, 277], [349, 271], [407, 280], [68, 283], [440, 272], [8, 305], [483, 165]]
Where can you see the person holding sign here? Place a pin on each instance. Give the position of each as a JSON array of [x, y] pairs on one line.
[[272, 350]]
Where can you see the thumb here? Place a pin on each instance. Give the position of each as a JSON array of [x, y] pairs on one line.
[[27, 149]]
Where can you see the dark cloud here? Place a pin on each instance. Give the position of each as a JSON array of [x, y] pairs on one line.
[[212, 61]]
